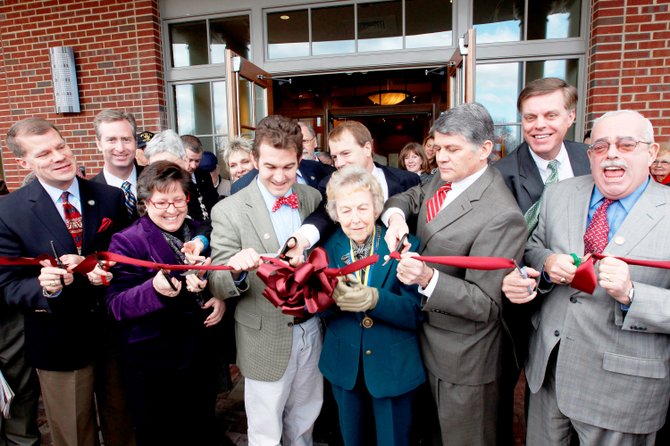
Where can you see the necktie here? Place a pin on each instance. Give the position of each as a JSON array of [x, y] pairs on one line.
[[596, 235], [435, 203], [73, 220], [532, 215], [291, 200], [130, 200]]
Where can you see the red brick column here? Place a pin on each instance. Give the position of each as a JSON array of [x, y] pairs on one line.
[[117, 47], [629, 60]]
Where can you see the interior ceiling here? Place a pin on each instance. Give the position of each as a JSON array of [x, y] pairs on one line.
[[360, 84]]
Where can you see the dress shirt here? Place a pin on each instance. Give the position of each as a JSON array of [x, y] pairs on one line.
[[117, 182], [56, 196], [285, 220], [299, 178], [618, 210], [564, 166]]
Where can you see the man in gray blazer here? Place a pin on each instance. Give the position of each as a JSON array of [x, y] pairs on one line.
[[598, 364], [547, 109], [462, 333], [277, 354]]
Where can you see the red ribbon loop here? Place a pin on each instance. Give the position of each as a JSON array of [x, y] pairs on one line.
[[306, 287]]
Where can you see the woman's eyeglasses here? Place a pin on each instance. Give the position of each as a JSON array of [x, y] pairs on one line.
[[163, 204]]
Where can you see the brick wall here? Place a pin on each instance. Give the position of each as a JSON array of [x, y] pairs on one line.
[[630, 60], [117, 48]]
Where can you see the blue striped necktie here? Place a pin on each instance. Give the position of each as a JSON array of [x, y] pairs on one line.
[[130, 200]]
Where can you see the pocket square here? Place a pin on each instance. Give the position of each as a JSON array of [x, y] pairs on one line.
[[106, 223]]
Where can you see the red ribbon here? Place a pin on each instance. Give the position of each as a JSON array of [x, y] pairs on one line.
[[306, 287], [585, 277], [469, 262]]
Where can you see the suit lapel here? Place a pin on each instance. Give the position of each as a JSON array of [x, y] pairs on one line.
[[50, 220], [579, 160], [531, 181], [379, 271], [578, 209], [392, 183], [257, 214], [645, 215]]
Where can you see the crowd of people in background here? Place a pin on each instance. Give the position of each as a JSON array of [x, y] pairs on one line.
[[413, 351]]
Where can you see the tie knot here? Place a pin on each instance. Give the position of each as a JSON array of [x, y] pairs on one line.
[[125, 186], [553, 165], [64, 196], [445, 188], [290, 200]]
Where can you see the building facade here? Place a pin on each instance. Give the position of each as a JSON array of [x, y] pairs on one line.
[[164, 60]]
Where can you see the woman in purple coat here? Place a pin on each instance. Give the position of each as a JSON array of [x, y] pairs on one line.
[[164, 317]]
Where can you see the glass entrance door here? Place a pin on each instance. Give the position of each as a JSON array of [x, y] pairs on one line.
[[249, 93]]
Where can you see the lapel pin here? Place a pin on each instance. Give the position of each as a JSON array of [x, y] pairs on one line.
[[266, 236], [91, 202], [619, 240]]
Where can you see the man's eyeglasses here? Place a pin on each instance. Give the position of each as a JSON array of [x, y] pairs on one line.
[[623, 145], [661, 163], [178, 203]]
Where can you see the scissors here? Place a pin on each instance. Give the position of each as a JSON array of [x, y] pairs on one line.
[[167, 276], [59, 262], [523, 273], [399, 247], [282, 254]]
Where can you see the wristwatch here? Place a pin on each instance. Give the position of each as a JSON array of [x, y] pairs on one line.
[[631, 293]]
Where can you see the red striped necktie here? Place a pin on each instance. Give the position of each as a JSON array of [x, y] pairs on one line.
[[73, 220], [435, 203]]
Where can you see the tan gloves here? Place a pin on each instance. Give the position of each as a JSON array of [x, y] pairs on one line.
[[355, 297]]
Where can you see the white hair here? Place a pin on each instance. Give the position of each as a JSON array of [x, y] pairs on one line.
[[166, 141], [648, 128]]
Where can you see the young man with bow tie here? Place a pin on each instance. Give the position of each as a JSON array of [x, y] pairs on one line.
[[68, 215], [277, 354]]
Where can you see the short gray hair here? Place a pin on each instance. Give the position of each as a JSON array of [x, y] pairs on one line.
[[236, 144], [353, 178], [472, 121], [648, 128], [166, 141]]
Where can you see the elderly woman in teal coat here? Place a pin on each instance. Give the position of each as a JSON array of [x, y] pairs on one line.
[[370, 351]]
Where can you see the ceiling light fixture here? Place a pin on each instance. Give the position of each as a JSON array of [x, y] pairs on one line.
[[284, 17], [388, 97]]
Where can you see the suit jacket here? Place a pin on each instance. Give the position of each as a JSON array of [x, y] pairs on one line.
[[100, 178], [264, 334], [61, 332], [395, 365], [164, 328], [312, 171], [523, 178], [462, 334], [612, 369]]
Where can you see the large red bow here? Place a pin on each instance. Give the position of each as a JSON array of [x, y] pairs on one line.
[[306, 287]]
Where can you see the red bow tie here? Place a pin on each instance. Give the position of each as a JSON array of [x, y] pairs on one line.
[[291, 200]]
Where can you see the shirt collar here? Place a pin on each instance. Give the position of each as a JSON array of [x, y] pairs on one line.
[[627, 202], [116, 181], [55, 193], [543, 164], [467, 181]]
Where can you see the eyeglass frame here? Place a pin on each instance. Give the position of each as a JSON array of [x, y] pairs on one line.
[[660, 163], [186, 201], [617, 144]]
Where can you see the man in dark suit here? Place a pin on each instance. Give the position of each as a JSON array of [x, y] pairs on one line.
[[62, 309], [465, 211], [350, 143], [115, 137], [202, 188], [547, 108]]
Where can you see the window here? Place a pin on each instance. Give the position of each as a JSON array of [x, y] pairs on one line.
[[499, 21], [360, 27], [204, 42]]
